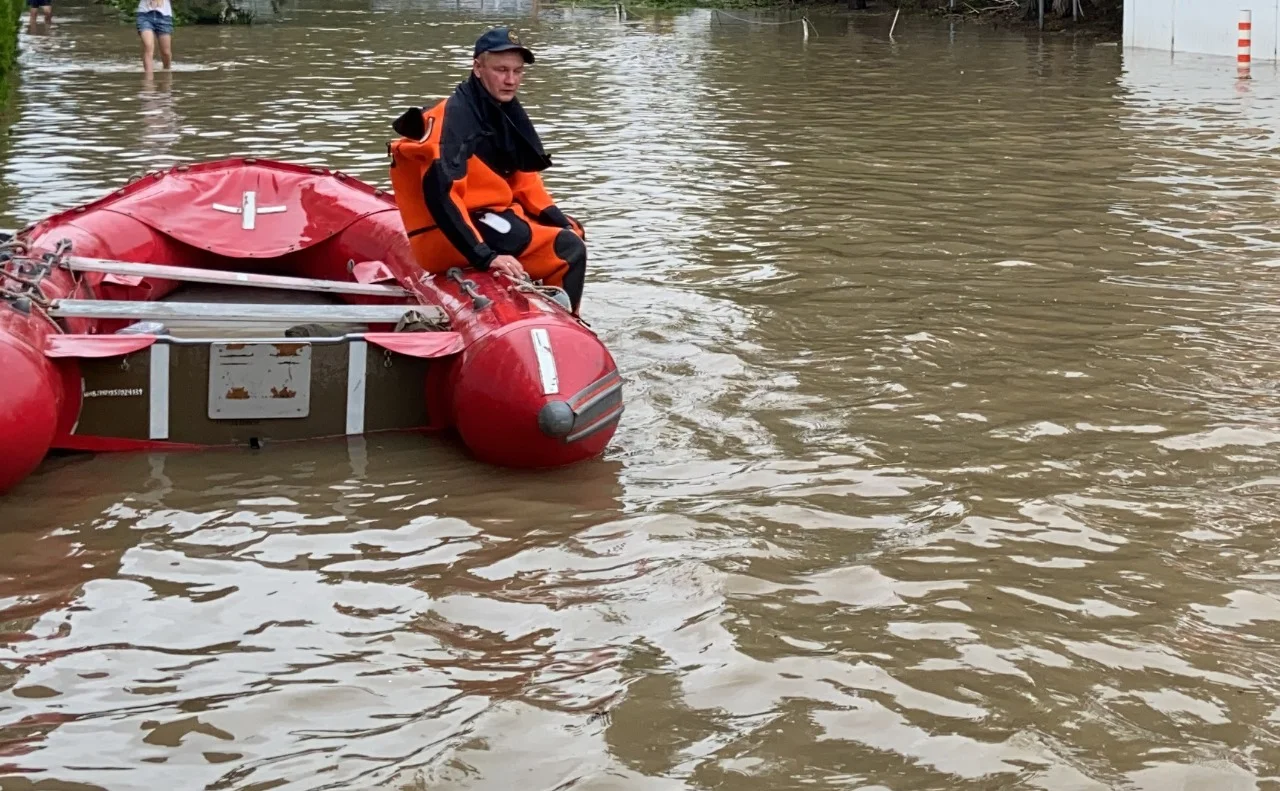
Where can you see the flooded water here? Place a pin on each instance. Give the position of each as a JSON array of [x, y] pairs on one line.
[[949, 460]]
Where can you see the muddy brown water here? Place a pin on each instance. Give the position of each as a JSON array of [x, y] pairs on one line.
[[950, 460]]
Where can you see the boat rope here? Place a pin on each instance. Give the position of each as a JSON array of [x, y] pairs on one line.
[[15, 264], [526, 285], [32, 291], [553, 293]]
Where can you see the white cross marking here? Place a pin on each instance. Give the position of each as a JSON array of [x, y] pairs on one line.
[[249, 210]]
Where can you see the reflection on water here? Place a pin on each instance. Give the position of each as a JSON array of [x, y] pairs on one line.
[[948, 463], [160, 121]]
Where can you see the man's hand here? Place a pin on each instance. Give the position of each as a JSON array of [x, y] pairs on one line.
[[507, 265]]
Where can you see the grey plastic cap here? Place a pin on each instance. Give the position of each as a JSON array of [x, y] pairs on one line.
[[556, 419]]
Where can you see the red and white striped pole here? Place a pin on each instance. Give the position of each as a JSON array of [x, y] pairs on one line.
[[1244, 55]]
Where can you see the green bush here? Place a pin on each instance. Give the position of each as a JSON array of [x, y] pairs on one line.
[[10, 19]]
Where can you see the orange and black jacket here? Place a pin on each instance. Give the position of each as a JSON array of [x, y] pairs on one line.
[[484, 156]]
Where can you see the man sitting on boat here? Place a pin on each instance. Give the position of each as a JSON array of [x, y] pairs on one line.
[[466, 179]]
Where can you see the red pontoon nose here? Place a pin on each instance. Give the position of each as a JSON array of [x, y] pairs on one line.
[[537, 394]]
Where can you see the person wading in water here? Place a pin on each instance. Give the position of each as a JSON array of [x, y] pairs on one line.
[[155, 23], [35, 6], [466, 179]]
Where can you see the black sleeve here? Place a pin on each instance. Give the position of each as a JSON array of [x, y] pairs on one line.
[[553, 216]]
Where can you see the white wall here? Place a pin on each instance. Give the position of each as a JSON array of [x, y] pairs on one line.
[[1204, 26]]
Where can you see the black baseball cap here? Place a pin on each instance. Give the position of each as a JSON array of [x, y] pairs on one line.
[[501, 39]]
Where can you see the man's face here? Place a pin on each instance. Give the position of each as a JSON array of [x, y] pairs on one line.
[[500, 73]]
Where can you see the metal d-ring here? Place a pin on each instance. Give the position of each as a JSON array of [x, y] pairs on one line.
[[478, 301]]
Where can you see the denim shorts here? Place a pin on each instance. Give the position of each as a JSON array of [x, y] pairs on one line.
[[156, 22]]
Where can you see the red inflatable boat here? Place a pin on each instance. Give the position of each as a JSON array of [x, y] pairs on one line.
[[245, 301]]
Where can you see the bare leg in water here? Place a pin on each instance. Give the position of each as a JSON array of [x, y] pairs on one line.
[[166, 50], [48, 16], [148, 48]]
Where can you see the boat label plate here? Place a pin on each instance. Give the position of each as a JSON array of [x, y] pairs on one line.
[[259, 380]]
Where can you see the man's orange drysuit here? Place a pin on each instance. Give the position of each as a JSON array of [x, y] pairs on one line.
[[466, 178]]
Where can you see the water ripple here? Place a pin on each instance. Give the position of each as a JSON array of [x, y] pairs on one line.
[[948, 460]]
